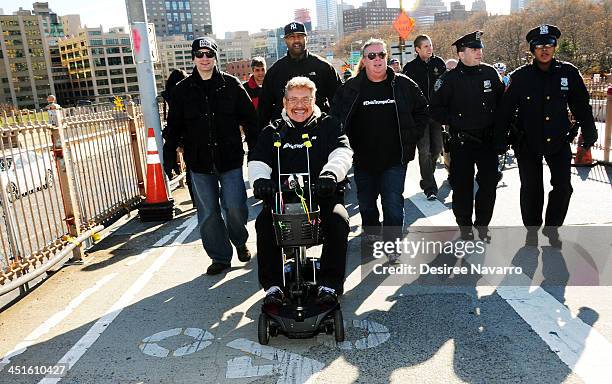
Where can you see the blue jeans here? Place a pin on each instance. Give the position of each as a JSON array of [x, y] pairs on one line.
[[216, 235], [389, 184]]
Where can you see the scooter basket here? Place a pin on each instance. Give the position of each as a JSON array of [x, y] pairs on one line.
[[294, 229]]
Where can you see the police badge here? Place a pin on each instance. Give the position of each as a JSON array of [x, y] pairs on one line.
[[543, 29], [487, 86], [564, 84], [438, 85]]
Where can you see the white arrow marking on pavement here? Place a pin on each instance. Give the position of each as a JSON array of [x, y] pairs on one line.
[[78, 350], [150, 347], [292, 367], [54, 320]]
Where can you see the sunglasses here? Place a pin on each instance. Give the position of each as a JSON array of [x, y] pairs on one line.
[[544, 46], [372, 55], [201, 54]]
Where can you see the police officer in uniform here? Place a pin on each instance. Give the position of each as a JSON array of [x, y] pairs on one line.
[[466, 99], [298, 62], [538, 95]]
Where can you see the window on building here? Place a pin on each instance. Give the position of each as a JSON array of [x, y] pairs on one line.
[[113, 50], [126, 49], [115, 72], [128, 60], [118, 80], [96, 42], [101, 73], [118, 90], [111, 41], [114, 61]]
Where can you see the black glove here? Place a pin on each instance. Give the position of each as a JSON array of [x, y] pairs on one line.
[[326, 184], [263, 189]]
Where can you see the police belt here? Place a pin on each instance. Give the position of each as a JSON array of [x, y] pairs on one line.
[[465, 137]]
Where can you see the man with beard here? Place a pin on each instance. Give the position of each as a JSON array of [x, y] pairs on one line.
[[298, 62]]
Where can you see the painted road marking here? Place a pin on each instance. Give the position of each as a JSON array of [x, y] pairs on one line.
[[582, 348], [291, 367], [202, 338], [54, 320], [92, 335]]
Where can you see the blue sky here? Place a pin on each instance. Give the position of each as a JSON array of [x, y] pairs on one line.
[[228, 15]]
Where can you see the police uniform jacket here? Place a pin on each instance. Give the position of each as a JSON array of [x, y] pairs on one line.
[[330, 149], [410, 104], [208, 123], [466, 99], [541, 99], [317, 69], [425, 73]]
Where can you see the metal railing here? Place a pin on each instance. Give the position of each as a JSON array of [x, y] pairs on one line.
[[62, 173]]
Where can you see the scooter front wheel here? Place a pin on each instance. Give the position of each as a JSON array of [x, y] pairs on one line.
[[263, 329]]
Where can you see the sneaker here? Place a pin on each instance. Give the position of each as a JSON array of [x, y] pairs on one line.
[[244, 254], [431, 196], [327, 295], [274, 295], [216, 268]]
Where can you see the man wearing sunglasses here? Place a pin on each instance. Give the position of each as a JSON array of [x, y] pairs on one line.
[[206, 112], [298, 62], [466, 99], [384, 115], [541, 92]]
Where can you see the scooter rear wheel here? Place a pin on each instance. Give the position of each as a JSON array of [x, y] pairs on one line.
[[263, 329], [338, 326]]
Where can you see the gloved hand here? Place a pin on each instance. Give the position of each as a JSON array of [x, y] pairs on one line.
[[263, 189], [326, 184]]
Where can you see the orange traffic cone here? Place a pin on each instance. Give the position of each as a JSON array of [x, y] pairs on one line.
[[157, 206], [583, 157]]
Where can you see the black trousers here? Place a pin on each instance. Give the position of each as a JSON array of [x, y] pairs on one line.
[[463, 158], [532, 186], [335, 228]]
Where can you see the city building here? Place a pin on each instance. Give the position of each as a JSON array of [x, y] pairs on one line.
[[25, 72], [241, 69], [100, 65], [321, 42], [303, 16], [174, 53], [370, 15], [341, 8], [326, 15], [457, 12], [187, 18], [479, 6], [425, 10], [517, 5], [71, 24]]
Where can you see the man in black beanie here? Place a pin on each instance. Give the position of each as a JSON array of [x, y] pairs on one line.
[[206, 112]]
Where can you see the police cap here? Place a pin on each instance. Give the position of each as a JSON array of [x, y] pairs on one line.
[[543, 34], [295, 27], [471, 40]]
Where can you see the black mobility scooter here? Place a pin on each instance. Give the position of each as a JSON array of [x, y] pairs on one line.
[[296, 220]]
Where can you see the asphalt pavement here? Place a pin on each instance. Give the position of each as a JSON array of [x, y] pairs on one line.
[[142, 310]]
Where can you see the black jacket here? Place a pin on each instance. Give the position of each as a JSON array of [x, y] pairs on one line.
[[317, 69], [209, 126], [540, 100], [330, 149], [467, 99], [410, 104], [424, 73]]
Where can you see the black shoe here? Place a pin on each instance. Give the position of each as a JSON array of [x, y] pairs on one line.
[[244, 254], [467, 233], [431, 196], [327, 295], [274, 295], [484, 234], [216, 268]]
